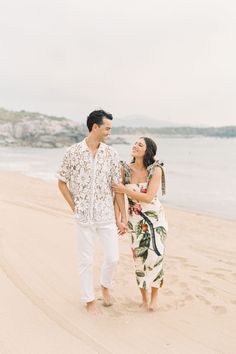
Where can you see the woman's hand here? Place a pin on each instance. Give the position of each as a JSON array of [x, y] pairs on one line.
[[122, 228], [118, 188]]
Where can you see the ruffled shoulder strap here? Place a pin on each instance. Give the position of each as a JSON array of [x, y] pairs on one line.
[[151, 169], [127, 172]]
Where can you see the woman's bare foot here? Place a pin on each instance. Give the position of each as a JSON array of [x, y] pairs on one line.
[[144, 303], [153, 306], [92, 308], [153, 303], [106, 297]]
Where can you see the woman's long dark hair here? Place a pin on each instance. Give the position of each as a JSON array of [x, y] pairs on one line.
[[151, 150]]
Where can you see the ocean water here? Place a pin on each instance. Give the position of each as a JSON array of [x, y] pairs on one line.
[[200, 172]]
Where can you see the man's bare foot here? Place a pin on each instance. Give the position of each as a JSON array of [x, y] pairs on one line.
[[106, 297], [92, 308]]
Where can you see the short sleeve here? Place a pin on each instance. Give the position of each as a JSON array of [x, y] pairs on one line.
[[127, 172], [64, 171], [115, 168]]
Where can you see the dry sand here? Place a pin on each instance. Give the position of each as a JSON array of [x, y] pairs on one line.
[[40, 310]]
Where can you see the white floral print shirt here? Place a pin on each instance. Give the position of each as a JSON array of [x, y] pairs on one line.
[[89, 181]]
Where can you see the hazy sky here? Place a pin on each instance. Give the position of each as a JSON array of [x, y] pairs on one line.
[[172, 60]]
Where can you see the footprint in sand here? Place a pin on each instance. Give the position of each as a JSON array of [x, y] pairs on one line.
[[183, 285], [112, 312], [202, 280], [182, 260], [130, 304], [189, 298], [218, 275], [219, 309], [180, 303], [174, 279], [228, 263], [177, 302], [205, 281], [168, 292], [165, 308], [210, 290], [195, 277], [203, 299], [221, 269], [183, 302], [193, 267]]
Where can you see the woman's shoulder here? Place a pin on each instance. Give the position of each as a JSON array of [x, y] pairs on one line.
[[151, 171], [156, 163], [125, 171], [124, 164]]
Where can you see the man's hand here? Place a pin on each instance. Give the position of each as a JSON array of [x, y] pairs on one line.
[[66, 194]]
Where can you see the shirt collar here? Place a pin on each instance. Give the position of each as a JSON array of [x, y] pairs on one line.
[[85, 146]]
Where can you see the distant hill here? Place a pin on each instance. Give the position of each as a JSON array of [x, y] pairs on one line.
[[182, 132], [40, 130], [139, 121]]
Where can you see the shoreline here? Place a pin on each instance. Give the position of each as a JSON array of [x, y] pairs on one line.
[[165, 204], [198, 212], [194, 181]]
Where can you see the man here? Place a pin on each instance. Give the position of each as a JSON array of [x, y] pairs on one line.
[[85, 180]]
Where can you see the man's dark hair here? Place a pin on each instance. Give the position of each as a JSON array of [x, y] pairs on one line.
[[96, 117]]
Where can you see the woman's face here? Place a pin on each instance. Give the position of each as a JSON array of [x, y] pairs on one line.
[[139, 148]]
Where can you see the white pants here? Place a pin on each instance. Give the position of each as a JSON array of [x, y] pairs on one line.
[[86, 235]]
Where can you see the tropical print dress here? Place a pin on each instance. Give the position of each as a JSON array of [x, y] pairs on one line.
[[148, 229]]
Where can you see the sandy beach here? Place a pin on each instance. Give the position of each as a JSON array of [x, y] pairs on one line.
[[41, 312]]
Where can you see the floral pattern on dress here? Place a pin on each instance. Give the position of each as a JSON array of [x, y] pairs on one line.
[[148, 229]]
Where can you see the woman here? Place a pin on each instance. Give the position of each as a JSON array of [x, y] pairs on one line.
[[146, 219]]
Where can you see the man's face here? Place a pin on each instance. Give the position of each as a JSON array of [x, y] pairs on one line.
[[104, 130]]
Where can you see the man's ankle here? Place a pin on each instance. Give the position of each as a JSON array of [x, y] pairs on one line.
[[90, 303], [104, 288]]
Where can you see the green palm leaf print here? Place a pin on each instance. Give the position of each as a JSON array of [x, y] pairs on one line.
[[151, 214]]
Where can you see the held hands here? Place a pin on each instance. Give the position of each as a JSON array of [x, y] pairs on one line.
[[122, 228], [120, 212], [118, 188]]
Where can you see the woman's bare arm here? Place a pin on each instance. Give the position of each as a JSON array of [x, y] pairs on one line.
[[152, 189]]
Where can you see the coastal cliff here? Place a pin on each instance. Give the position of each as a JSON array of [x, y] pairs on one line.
[[37, 130]]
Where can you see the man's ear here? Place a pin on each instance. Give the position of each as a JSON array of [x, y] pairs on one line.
[[95, 127]]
